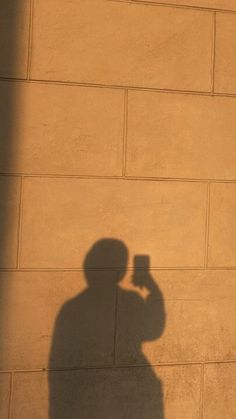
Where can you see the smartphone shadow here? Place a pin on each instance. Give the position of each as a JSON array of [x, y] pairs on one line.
[[97, 344]]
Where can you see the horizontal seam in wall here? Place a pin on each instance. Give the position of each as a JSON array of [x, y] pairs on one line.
[[126, 178], [112, 367], [118, 87], [129, 269], [175, 5]]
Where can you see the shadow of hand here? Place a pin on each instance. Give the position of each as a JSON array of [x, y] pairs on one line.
[[143, 279]]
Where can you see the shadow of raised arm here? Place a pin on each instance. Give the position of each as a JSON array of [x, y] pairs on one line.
[[153, 313]]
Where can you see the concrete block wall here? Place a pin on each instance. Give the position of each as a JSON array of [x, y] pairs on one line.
[[117, 140]]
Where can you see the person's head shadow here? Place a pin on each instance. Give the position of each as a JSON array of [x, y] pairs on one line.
[[106, 254], [98, 333]]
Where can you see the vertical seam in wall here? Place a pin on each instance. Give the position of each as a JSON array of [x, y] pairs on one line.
[[202, 391], [30, 39], [10, 396], [213, 54], [207, 225], [115, 325], [20, 222], [125, 132]]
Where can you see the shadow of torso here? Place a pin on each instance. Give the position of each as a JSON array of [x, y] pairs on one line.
[[89, 384]]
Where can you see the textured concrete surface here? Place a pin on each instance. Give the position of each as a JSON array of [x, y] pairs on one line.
[[181, 136], [14, 23], [195, 329], [5, 389], [9, 214], [54, 120], [222, 227], [227, 5], [225, 80], [112, 208], [219, 396], [116, 393], [117, 209], [137, 45]]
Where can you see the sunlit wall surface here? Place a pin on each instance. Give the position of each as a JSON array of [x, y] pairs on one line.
[[117, 209]]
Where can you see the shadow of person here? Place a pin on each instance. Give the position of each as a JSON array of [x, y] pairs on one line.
[[97, 369]]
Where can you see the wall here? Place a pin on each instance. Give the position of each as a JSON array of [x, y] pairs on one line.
[[118, 122]]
